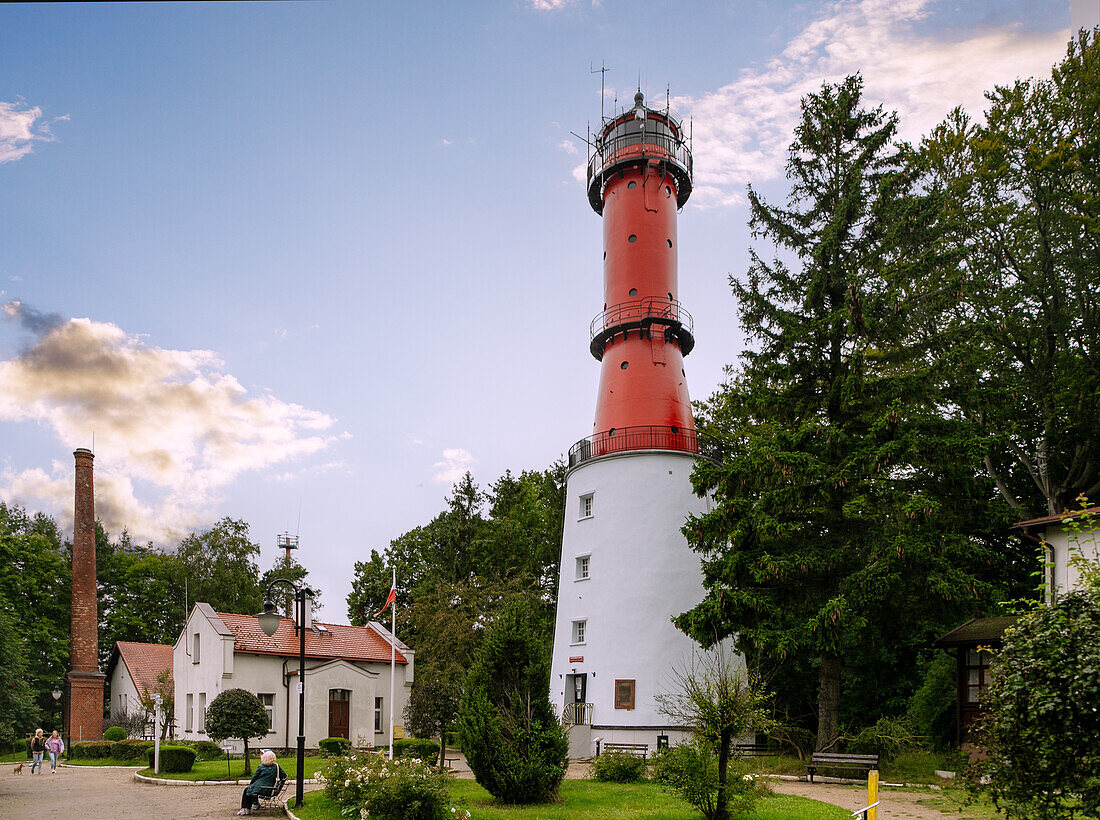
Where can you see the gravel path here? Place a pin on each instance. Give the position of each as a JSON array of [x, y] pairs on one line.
[[88, 793]]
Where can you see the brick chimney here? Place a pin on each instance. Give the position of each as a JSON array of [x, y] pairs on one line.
[[84, 682]]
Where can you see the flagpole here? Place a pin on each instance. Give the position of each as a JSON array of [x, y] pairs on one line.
[[393, 653]]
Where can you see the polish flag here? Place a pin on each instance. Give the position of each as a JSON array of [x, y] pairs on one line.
[[389, 600]]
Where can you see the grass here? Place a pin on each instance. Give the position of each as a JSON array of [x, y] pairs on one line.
[[590, 800], [218, 770]]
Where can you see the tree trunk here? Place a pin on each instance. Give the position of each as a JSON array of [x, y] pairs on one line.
[[442, 745], [828, 703], [247, 768], [721, 802]]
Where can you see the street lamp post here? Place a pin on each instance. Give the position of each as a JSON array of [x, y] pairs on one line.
[[56, 695], [269, 622]]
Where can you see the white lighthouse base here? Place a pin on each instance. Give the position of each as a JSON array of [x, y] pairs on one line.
[[626, 570]]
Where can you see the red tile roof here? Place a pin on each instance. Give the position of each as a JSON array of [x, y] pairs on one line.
[[1057, 519], [144, 661], [352, 643]]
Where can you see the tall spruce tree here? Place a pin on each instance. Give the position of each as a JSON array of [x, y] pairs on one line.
[[842, 495]]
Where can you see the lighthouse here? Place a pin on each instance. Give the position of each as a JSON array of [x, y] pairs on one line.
[[626, 568]]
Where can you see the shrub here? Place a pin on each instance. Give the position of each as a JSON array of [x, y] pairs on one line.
[[204, 749], [130, 749], [619, 767], [174, 759], [402, 789], [932, 707], [114, 733], [91, 749], [691, 771], [237, 713], [511, 736], [888, 738], [335, 746], [418, 747], [1041, 726]]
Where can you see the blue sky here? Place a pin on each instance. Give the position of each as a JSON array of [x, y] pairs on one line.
[[320, 258]]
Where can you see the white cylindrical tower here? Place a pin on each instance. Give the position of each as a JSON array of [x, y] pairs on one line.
[[626, 569]]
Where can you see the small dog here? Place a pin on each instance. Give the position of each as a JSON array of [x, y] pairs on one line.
[[18, 768]]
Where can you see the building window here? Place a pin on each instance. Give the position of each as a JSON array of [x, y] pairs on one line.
[[202, 712], [582, 567], [624, 694], [378, 714], [977, 673], [122, 703], [189, 714], [195, 648], [268, 700], [586, 506], [579, 628]]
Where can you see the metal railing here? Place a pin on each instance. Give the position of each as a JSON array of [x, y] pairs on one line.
[[649, 310], [624, 439], [625, 145], [576, 714]]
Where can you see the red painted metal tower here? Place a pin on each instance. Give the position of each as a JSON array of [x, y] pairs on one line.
[[639, 176]]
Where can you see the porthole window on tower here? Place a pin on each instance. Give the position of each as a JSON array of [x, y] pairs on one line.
[[669, 241], [670, 297], [631, 185], [675, 430], [611, 432], [632, 238], [586, 505], [624, 365], [633, 291], [579, 628], [668, 191]]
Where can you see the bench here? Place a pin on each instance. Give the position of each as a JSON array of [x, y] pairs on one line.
[[636, 749], [272, 800], [833, 760], [449, 762], [753, 750]]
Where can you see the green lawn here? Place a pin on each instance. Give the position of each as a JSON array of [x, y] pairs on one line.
[[590, 800], [219, 770]]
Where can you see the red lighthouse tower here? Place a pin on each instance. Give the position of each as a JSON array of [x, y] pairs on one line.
[[625, 566], [638, 178]]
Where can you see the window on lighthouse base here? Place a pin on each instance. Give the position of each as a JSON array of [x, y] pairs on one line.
[[579, 628], [624, 694], [586, 506]]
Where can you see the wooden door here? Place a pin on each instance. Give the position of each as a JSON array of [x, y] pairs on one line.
[[339, 713]]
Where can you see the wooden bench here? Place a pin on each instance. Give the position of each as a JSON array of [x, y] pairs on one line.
[[449, 762], [842, 762], [636, 749], [754, 750]]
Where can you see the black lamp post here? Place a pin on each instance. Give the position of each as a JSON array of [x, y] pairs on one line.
[[269, 622]]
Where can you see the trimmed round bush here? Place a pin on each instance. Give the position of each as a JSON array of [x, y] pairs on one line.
[[114, 733], [619, 767], [334, 746], [204, 749], [416, 747], [174, 759]]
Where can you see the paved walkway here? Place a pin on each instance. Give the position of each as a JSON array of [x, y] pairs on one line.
[[86, 793]]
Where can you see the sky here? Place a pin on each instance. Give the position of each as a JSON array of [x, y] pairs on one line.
[[306, 263]]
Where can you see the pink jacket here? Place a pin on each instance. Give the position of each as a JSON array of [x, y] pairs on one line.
[[55, 745]]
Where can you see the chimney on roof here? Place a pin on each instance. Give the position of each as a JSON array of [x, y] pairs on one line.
[[83, 718]]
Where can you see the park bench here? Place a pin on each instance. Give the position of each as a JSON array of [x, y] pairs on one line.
[[841, 762], [273, 800], [754, 750], [449, 762], [636, 749]]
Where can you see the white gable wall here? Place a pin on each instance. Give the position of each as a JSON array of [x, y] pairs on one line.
[[124, 693], [1063, 545]]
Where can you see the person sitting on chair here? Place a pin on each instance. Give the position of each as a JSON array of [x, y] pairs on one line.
[[267, 774]]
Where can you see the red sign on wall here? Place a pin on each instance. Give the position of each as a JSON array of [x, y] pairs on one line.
[[577, 659]]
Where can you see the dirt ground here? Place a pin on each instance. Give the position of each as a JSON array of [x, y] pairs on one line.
[[87, 793]]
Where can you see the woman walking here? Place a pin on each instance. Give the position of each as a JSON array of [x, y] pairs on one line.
[[55, 746], [38, 747]]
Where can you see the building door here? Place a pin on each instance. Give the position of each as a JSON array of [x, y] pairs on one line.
[[339, 713]]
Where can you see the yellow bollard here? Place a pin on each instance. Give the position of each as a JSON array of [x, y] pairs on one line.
[[872, 793]]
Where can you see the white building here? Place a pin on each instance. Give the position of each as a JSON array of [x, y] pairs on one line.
[[132, 673], [1062, 537], [347, 680]]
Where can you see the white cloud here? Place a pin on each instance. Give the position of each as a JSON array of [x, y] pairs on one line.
[[568, 146], [171, 422], [21, 126], [453, 466], [550, 5], [742, 130]]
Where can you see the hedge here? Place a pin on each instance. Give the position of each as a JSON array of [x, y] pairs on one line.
[[416, 747], [174, 759], [114, 749], [334, 746], [91, 749], [204, 749]]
